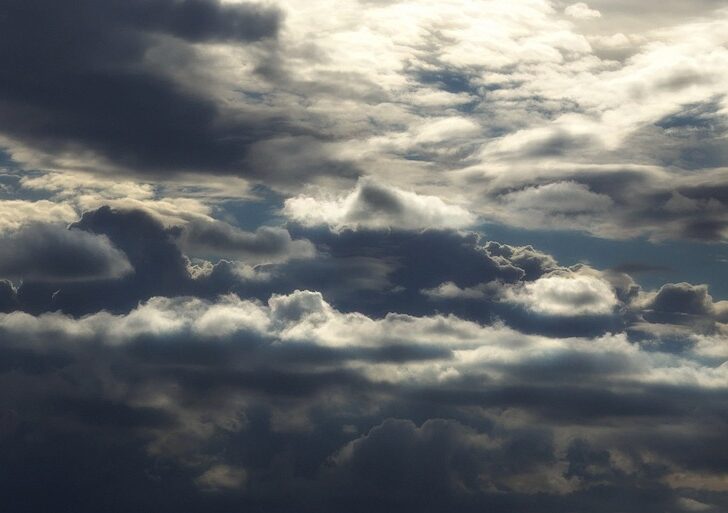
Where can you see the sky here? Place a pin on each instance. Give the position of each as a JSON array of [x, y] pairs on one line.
[[363, 255]]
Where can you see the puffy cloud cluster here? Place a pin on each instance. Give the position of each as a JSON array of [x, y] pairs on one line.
[[435, 370], [498, 417], [528, 113]]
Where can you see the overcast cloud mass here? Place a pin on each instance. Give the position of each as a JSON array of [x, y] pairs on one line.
[[363, 256]]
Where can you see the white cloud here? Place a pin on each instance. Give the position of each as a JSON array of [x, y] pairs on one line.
[[463, 97], [582, 11], [372, 205], [305, 317], [565, 295], [16, 213]]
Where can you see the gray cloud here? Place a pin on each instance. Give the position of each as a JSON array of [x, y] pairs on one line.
[[56, 254], [493, 417], [8, 297], [76, 79], [221, 240]]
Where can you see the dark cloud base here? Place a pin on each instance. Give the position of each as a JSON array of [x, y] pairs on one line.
[[253, 421]]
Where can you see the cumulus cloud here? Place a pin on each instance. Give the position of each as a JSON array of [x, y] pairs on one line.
[[372, 205], [533, 262], [56, 254], [499, 409], [566, 295], [683, 303], [682, 298]]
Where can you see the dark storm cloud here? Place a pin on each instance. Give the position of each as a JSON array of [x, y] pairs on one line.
[[555, 326], [397, 366], [74, 79], [53, 253], [159, 268]]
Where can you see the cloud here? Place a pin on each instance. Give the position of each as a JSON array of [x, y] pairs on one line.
[[95, 94], [533, 262], [449, 290], [56, 254], [566, 295], [268, 101], [16, 213], [582, 11], [8, 297], [269, 299], [486, 414], [221, 477], [372, 205], [682, 298], [683, 303], [222, 240], [371, 271], [560, 204]]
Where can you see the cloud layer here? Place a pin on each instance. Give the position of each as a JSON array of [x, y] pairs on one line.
[[363, 255]]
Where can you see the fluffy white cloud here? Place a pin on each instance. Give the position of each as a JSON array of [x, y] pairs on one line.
[[372, 205], [566, 294]]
